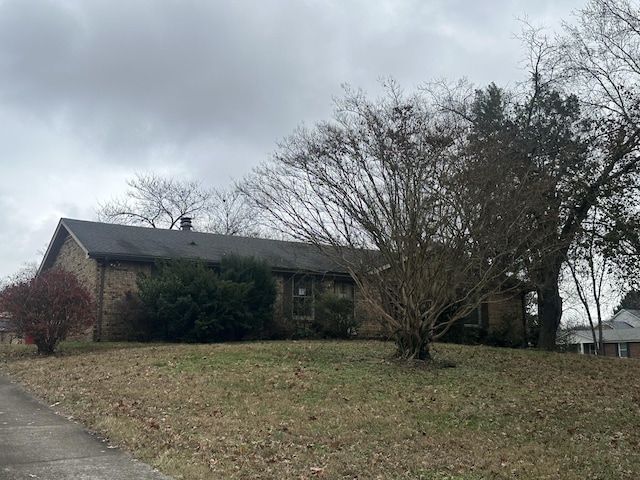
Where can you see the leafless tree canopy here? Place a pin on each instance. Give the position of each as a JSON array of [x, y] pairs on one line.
[[156, 201], [596, 58], [160, 202], [231, 213], [601, 53], [436, 200], [384, 189]]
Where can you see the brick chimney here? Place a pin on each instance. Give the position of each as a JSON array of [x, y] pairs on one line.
[[185, 223]]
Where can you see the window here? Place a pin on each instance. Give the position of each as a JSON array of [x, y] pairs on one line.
[[623, 350], [343, 290], [590, 348], [303, 297]]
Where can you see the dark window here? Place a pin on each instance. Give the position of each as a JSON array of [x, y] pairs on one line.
[[343, 290], [473, 318], [623, 350], [303, 297]]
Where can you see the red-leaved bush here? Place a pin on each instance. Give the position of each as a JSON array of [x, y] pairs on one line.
[[48, 307]]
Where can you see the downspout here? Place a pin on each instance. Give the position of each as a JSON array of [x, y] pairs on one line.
[[103, 270]]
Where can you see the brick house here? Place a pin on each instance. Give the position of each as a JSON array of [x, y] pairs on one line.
[[107, 258], [620, 336]]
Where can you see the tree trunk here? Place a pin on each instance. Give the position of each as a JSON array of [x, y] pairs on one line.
[[549, 313], [411, 344]]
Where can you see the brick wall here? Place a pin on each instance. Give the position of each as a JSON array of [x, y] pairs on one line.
[[278, 307], [611, 349], [118, 278], [284, 325], [10, 337], [73, 259]]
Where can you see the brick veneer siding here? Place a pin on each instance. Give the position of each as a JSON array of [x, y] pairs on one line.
[[633, 349], [369, 320], [7, 337], [119, 278], [610, 349], [285, 326], [281, 327], [116, 278], [73, 259]]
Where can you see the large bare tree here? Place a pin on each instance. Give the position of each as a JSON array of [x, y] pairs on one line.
[[569, 139], [385, 190], [156, 201], [597, 58]]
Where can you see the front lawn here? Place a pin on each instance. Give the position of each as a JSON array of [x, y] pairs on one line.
[[345, 410]]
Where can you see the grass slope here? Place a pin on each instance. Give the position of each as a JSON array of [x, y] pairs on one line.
[[339, 410]]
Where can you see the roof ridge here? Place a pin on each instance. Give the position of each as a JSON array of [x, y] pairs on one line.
[[147, 244], [156, 229]]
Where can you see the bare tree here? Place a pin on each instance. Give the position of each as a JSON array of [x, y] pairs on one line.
[[590, 268], [384, 190], [598, 59], [159, 202], [230, 212], [155, 201], [26, 272]]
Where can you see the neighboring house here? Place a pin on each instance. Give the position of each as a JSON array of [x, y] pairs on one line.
[[630, 317], [620, 335], [107, 259]]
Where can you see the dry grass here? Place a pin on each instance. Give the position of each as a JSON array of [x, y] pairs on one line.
[[337, 410]]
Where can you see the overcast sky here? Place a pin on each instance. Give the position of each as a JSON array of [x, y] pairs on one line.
[[93, 91]]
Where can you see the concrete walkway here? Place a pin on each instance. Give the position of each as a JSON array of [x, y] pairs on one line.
[[37, 443]]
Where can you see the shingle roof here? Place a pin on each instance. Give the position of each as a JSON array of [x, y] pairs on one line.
[[624, 335], [617, 325], [632, 317], [123, 242]]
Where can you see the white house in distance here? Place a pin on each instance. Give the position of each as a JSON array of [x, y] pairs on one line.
[[620, 335]]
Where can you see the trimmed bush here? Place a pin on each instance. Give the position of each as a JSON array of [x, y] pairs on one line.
[[186, 301], [334, 317], [261, 294]]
